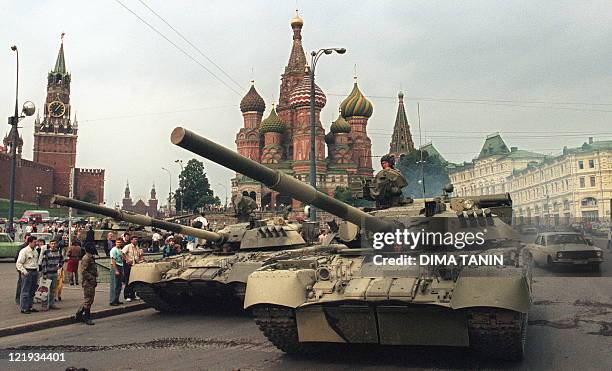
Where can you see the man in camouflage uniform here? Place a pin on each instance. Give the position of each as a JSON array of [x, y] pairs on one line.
[[387, 185], [89, 275]]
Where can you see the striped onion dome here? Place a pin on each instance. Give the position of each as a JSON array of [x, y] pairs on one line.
[[252, 101], [356, 104], [300, 95], [272, 123], [340, 125]]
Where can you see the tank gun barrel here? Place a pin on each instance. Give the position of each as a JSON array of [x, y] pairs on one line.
[[276, 180], [136, 218]]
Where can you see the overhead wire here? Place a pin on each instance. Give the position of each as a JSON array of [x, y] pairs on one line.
[[190, 43], [179, 48]]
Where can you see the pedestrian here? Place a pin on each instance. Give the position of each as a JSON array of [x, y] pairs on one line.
[[90, 236], [131, 255], [89, 278], [72, 267], [18, 288], [168, 249], [156, 238], [116, 272], [27, 265], [41, 247], [51, 261], [610, 238], [110, 243]]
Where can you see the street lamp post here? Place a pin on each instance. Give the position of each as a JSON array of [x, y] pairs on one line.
[[169, 190], [38, 194], [225, 188], [180, 162], [313, 126], [27, 110]]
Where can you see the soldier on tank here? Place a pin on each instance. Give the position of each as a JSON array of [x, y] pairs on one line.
[[244, 206], [386, 187], [89, 275]]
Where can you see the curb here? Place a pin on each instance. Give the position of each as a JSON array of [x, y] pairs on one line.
[[67, 320]]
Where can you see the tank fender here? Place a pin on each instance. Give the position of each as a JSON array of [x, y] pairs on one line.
[[508, 292], [149, 272], [282, 287]]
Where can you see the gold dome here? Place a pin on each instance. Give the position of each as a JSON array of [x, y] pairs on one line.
[[297, 20]]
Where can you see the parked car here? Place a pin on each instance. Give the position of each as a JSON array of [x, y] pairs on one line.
[[554, 249], [8, 247]]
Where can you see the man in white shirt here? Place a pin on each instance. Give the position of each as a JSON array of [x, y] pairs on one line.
[[155, 238], [202, 219], [27, 265], [131, 255]]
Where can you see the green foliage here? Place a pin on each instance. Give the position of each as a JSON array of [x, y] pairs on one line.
[[20, 207], [434, 169], [194, 188]]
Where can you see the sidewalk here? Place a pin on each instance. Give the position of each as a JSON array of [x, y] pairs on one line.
[[72, 297]]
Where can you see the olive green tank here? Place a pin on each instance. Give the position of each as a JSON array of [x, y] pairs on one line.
[[214, 274], [438, 292]]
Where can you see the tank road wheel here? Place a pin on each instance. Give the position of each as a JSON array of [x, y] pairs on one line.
[[279, 326], [148, 294], [498, 333]]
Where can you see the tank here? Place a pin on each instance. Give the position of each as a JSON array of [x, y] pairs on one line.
[[217, 272], [349, 297]]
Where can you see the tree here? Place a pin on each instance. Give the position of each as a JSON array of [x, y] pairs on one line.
[[435, 173], [194, 189]]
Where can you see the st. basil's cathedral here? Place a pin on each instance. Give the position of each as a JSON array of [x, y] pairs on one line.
[[282, 139]]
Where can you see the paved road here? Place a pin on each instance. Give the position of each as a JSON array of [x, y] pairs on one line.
[[570, 329]]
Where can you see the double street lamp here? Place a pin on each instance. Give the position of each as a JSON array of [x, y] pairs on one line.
[[38, 194], [313, 126], [180, 162], [225, 188], [28, 109], [169, 190]]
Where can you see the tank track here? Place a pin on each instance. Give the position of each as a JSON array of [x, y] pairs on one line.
[[279, 326], [148, 294], [497, 333]]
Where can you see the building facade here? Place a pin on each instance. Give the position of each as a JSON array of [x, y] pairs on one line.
[[487, 174], [55, 149], [575, 185], [282, 140], [150, 208]]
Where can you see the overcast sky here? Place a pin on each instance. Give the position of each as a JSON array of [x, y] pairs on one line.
[[128, 82]]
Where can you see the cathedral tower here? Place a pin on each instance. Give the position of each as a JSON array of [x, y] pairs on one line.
[[401, 141], [356, 109], [55, 138]]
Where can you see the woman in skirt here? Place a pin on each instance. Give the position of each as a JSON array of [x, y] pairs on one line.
[[72, 267]]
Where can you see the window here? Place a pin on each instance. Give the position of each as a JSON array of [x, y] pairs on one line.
[[580, 164], [592, 181], [588, 202], [581, 182], [591, 164]]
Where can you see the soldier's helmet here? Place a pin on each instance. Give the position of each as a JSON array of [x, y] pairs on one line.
[[388, 158]]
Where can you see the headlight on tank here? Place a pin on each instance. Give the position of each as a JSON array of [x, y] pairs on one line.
[[559, 255], [599, 254], [468, 204]]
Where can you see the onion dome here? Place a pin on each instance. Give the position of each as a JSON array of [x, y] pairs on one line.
[[272, 123], [297, 20], [252, 101], [340, 125], [300, 95], [356, 104]]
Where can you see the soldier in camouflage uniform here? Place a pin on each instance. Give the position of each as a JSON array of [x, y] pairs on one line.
[[89, 275], [386, 188]]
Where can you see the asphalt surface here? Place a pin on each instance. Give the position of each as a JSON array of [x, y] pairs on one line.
[[570, 329]]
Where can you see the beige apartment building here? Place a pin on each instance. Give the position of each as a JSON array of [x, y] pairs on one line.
[[545, 190], [487, 174], [575, 185]]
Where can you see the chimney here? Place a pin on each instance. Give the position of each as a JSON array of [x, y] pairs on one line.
[[590, 140], [513, 149]]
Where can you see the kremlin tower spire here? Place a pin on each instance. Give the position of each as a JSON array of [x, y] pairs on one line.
[[401, 141]]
